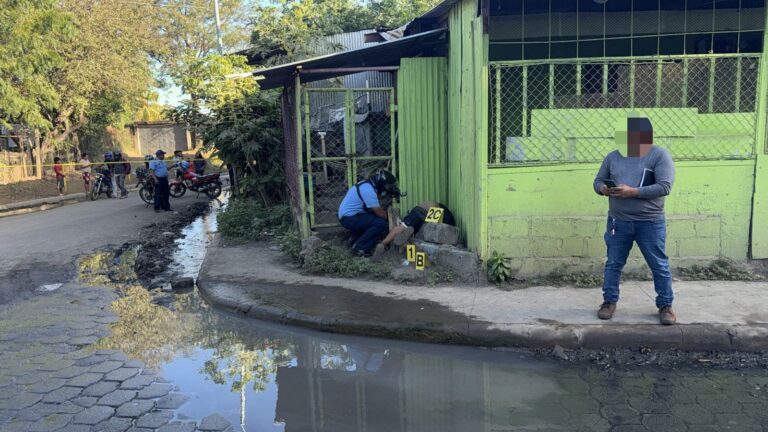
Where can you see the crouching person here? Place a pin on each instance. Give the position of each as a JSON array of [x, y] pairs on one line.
[[362, 213], [411, 224]]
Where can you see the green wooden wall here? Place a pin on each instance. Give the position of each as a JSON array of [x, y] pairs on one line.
[[468, 122], [423, 130]]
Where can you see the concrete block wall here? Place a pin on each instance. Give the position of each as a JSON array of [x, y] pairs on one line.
[[541, 245]]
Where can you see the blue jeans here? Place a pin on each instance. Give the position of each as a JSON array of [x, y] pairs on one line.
[[368, 228], [651, 238]]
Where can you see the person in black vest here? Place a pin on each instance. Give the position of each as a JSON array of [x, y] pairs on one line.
[[362, 213]]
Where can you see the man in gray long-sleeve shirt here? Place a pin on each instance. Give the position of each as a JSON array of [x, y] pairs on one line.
[[636, 183]]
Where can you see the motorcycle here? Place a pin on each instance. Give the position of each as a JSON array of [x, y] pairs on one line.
[[145, 185], [102, 184], [209, 184]]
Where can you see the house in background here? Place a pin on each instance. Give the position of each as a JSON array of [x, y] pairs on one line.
[[503, 110], [148, 137]]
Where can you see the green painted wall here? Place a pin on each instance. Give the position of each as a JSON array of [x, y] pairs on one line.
[[423, 130], [548, 218], [468, 121]]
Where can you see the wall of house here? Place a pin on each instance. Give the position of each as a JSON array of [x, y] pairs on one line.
[[547, 218], [468, 121], [422, 130]]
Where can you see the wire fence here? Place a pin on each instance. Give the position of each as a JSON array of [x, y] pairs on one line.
[[702, 107], [348, 134]]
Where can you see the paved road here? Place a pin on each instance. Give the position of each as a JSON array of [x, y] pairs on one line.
[[51, 378], [40, 248]]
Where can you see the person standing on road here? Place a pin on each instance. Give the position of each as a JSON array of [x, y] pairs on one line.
[[636, 178], [58, 169], [84, 165], [200, 164], [158, 171], [122, 169]]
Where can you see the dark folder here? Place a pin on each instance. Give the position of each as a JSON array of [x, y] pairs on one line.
[[648, 179]]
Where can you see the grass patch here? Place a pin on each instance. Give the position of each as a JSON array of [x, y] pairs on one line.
[[330, 259], [721, 269], [250, 220]]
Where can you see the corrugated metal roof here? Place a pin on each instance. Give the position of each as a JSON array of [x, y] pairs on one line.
[[440, 10], [374, 55]]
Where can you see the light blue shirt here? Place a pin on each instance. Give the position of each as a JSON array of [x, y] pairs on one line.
[[351, 204], [159, 167]]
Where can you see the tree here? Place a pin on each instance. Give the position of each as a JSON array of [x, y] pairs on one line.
[[150, 109], [31, 33]]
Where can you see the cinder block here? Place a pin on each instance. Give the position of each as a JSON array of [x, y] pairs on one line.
[[439, 233], [589, 227], [699, 247], [681, 228], [595, 247], [545, 247], [708, 228], [510, 227], [465, 264], [428, 248], [572, 247], [552, 227], [512, 248]]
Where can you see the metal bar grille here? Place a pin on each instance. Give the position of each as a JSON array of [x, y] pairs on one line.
[[702, 107]]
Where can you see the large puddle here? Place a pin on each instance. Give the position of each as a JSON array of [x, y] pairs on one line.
[[265, 377]]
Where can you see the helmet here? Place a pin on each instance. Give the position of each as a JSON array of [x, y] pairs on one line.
[[385, 183], [185, 165], [109, 156]]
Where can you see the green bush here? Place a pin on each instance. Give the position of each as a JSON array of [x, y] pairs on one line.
[[290, 243], [331, 259], [499, 270], [250, 220]]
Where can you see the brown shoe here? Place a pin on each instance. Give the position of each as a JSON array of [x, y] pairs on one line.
[[666, 316], [606, 311]]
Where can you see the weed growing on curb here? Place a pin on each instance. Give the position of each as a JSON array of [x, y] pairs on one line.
[[331, 259], [721, 269], [250, 220], [499, 270], [290, 242]]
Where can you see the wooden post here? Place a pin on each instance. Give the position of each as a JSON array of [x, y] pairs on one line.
[[39, 157]]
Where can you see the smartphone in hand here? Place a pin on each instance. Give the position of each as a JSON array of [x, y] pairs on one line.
[[610, 183]]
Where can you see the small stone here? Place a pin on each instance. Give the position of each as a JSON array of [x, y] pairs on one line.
[[117, 398], [172, 401], [135, 408], [92, 360], [70, 372], [114, 424], [559, 352], [155, 390], [213, 422], [50, 423], [95, 414], [183, 283], [121, 374], [62, 394], [107, 366], [84, 401], [178, 427], [154, 419], [137, 383], [85, 379], [46, 386], [100, 389]]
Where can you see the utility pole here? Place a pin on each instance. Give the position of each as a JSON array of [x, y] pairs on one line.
[[218, 26], [232, 171]]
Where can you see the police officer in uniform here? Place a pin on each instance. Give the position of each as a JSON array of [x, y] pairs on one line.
[[158, 171]]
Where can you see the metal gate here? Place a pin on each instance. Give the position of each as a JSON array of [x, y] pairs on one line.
[[349, 133]]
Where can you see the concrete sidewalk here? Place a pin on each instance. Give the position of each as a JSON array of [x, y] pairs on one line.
[[40, 204], [253, 280]]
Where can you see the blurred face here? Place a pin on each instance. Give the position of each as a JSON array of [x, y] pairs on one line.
[[161, 156]]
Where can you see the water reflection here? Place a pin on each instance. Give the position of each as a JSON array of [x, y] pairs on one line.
[[266, 377]]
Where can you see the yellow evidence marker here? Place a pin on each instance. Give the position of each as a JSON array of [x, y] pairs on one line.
[[434, 215], [421, 261], [410, 253]]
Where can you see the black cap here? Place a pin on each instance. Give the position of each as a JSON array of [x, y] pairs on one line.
[[159, 152]]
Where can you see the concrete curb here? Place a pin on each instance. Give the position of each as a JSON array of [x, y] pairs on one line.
[[686, 337], [32, 206]]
